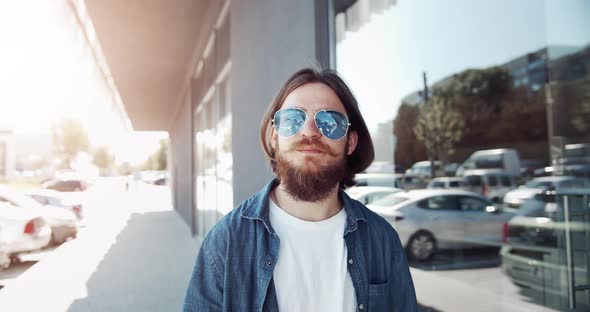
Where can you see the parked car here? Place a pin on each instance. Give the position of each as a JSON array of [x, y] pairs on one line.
[[503, 159], [411, 182], [377, 179], [63, 223], [574, 161], [369, 194], [21, 231], [4, 256], [66, 185], [430, 220], [381, 167], [450, 170], [448, 183], [515, 198], [422, 169], [534, 255], [57, 199], [491, 183], [529, 166]]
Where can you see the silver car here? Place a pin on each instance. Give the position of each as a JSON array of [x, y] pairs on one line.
[[430, 220], [369, 194], [516, 198], [458, 183]]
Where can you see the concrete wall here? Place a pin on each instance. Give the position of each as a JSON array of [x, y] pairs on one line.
[[181, 162], [270, 40]]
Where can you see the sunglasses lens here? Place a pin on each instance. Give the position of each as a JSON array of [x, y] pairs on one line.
[[333, 125], [289, 121]]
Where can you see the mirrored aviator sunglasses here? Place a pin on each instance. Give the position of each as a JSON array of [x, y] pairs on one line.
[[331, 124]]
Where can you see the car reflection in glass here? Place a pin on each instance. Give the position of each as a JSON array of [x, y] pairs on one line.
[[533, 253], [430, 220]]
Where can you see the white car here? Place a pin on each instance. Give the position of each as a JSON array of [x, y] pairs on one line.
[[4, 256], [22, 230], [429, 220], [58, 199], [63, 223], [516, 198], [457, 183], [491, 183], [368, 194]]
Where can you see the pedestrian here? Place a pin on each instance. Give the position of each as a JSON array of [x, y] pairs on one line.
[[301, 244]]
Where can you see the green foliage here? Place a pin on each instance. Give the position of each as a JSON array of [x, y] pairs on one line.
[[159, 159], [439, 127], [408, 150], [489, 84], [69, 139], [103, 158]]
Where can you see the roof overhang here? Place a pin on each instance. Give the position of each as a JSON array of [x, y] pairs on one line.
[[149, 47]]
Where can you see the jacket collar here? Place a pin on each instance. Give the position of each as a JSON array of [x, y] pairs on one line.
[[257, 208]]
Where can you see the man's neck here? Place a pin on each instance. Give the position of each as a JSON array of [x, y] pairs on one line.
[[304, 210]]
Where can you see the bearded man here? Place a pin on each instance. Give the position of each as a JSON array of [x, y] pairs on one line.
[[301, 244]]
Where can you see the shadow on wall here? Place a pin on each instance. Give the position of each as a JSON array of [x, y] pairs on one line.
[[146, 269], [423, 308], [461, 259]]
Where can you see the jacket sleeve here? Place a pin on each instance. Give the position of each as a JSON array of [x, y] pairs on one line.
[[205, 289], [405, 296]]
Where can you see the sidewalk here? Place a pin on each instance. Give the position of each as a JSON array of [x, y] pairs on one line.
[[136, 255]]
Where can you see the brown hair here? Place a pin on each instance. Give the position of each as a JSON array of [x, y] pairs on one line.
[[361, 157]]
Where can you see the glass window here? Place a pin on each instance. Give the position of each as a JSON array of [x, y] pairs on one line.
[[455, 184], [371, 198], [502, 75], [472, 204], [439, 203], [473, 180], [505, 181], [390, 200], [492, 180], [437, 184], [41, 199]]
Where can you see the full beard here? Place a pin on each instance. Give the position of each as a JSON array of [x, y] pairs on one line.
[[310, 183]]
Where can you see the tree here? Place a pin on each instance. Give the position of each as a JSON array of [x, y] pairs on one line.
[[407, 150], [159, 159], [103, 158], [69, 139], [439, 127]]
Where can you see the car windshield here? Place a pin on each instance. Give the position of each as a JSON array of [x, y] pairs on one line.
[[390, 200], [489, 162], [539, 184], [22, 200], [437, 184]]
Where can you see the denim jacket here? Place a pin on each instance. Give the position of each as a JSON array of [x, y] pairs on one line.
[[234, 267]]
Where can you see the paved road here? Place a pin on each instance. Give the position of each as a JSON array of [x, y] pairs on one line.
[[113, 240], [470, 281]]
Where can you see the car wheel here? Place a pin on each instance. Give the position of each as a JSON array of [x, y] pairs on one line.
[[421, 246]]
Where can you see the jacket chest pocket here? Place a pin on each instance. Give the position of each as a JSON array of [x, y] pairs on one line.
[[379, 297]]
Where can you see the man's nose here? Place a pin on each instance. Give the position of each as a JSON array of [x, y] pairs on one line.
[[310, 129]]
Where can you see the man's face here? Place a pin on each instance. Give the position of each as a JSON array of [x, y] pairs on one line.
[[308, 159]]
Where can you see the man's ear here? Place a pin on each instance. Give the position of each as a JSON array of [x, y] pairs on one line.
[[352, 142]]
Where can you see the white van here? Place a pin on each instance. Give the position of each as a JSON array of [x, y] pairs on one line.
[[503, 159], [422, 169]]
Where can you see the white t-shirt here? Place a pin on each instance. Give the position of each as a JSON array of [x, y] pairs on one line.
[[311, 272]]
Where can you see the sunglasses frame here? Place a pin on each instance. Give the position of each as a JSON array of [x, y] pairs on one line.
[[314, 121]]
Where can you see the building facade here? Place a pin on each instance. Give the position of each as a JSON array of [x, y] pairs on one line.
[[206, 71]]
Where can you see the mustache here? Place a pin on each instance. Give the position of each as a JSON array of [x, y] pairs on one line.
[[314, 144]]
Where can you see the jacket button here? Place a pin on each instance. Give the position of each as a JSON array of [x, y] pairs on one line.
[[350, 261], [361, 306], [268, 263]]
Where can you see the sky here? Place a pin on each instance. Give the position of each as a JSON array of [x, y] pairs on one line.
[[48, 73], [384, 61]]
